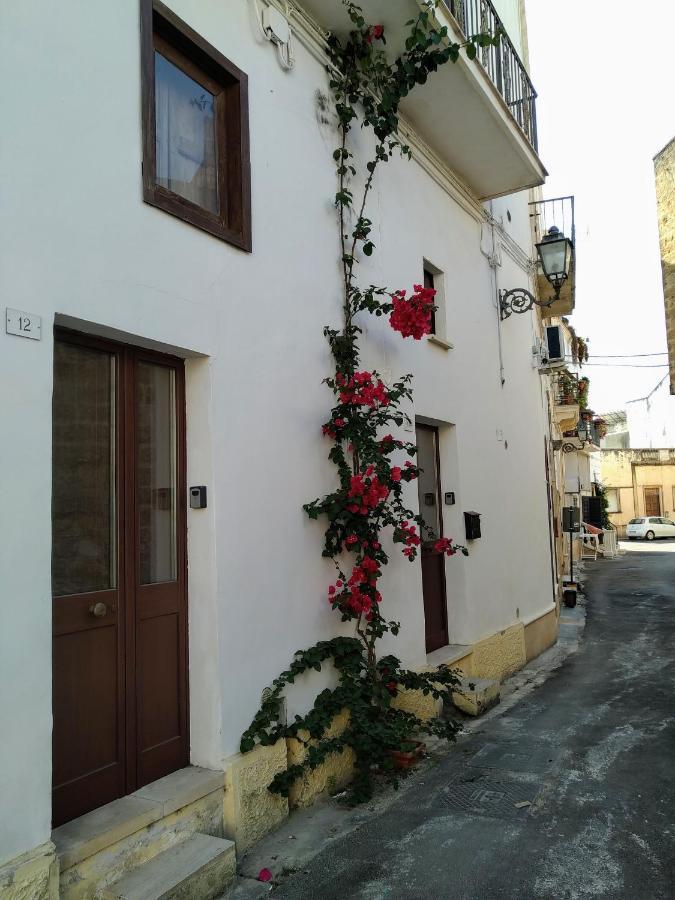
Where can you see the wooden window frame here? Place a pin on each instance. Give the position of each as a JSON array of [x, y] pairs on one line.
[[162, 29], [617, 495], [430, 282]]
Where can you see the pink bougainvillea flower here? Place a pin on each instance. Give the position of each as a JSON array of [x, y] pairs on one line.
[[264, 875], [411, 316]]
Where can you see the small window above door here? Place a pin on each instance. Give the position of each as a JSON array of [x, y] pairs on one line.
[[195, 129], [435, 279]]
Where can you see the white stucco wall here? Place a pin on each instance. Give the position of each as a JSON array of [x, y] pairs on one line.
[[82, 247]]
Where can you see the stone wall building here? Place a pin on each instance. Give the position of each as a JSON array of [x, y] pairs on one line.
[[638, 483], [664, 169]]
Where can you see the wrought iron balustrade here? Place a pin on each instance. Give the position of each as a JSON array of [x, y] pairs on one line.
[[565, 388], [558, 212], [501, 63]]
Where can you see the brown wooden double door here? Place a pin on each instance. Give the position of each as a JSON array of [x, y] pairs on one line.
[[118, 572], [433, 562]]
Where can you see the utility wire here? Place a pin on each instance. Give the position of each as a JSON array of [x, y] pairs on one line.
[[624, 355], [629, 365]]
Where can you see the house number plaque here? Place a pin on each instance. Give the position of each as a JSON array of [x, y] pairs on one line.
[[23, 324]]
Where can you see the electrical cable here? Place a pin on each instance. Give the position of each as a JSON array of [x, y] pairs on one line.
[[629, 365], [625, 355]]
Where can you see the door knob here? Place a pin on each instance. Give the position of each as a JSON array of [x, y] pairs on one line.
[[98, 609]]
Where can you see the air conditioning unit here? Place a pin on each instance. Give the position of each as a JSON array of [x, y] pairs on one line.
[[553, 349]]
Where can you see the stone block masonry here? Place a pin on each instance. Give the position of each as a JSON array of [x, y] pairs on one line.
[[664, 171]]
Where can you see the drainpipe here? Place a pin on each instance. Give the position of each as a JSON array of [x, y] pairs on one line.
[[494, 261]]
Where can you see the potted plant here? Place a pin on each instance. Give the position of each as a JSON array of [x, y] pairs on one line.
[[600, 427], [582, 391], [566, 387], [587, 414], [408, 754]]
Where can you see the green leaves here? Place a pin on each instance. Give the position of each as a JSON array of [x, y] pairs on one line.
[[366, 87]]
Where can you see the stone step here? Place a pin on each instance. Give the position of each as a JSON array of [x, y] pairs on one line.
[[476, 695], [199, 867]]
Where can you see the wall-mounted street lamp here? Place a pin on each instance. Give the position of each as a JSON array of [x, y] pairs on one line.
[[584, 436], [555, 257]]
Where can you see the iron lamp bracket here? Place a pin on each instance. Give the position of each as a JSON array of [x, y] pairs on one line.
[[520, 300]]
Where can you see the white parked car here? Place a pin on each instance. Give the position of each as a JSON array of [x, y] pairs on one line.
[[650, 527]]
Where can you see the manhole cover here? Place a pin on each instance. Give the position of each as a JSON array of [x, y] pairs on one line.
[[496, 799], [515, 756]]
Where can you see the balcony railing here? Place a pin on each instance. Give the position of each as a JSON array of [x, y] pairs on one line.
[[558, 211], [565, 388], [502, 64]]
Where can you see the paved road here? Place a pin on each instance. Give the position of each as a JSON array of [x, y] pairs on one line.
[[592, 750], [662, 545]]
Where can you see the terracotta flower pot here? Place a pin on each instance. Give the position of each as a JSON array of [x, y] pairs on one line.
[[405, 759]]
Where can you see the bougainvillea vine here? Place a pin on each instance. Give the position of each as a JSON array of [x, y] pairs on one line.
[[369, 497]]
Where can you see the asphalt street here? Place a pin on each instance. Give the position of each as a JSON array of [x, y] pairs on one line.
[[568, 794]]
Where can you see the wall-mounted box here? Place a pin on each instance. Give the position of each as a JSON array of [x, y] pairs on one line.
[[472, 525], [198, 497], [571, 519]]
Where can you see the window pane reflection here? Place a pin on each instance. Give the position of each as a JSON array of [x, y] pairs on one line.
[[83, 470], [185, 142], [427, 483]]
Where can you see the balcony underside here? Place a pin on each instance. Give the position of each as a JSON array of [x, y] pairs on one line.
[[566, 416], [565, 303], [458, 112], [573, 443]]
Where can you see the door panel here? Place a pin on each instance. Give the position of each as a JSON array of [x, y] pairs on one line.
[[118, 562], [652, 501], [87, 660], [84, 497], [161, 694], [433, 562]]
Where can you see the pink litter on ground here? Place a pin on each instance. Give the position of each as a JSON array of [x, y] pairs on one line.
[[264, 875]]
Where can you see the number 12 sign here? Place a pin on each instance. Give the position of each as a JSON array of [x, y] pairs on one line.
[[23, 324]]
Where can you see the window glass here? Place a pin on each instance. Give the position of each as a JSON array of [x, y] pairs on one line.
[[83, 470], [612, 496], [636, 522], [427, 483], [429, 283], [156, 472], [185, 134]]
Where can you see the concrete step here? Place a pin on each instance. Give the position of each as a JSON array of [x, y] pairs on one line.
[[199, 867], [476, 695]]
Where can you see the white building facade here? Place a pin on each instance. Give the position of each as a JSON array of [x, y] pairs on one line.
[[175, 354]]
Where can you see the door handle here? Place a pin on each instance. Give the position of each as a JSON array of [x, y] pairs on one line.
[[98, 609]]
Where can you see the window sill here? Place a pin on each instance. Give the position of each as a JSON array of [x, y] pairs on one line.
[[439, 342]]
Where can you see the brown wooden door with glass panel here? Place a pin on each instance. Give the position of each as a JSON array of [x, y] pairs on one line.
[[118, 572], [433, 562]]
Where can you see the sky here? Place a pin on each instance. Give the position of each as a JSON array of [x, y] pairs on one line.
[[604, 73]]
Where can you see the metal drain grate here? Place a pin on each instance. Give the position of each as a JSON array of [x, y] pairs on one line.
[[496, 799], [514, 756]]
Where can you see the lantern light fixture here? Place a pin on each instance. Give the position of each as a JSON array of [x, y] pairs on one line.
[[555, 258]]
